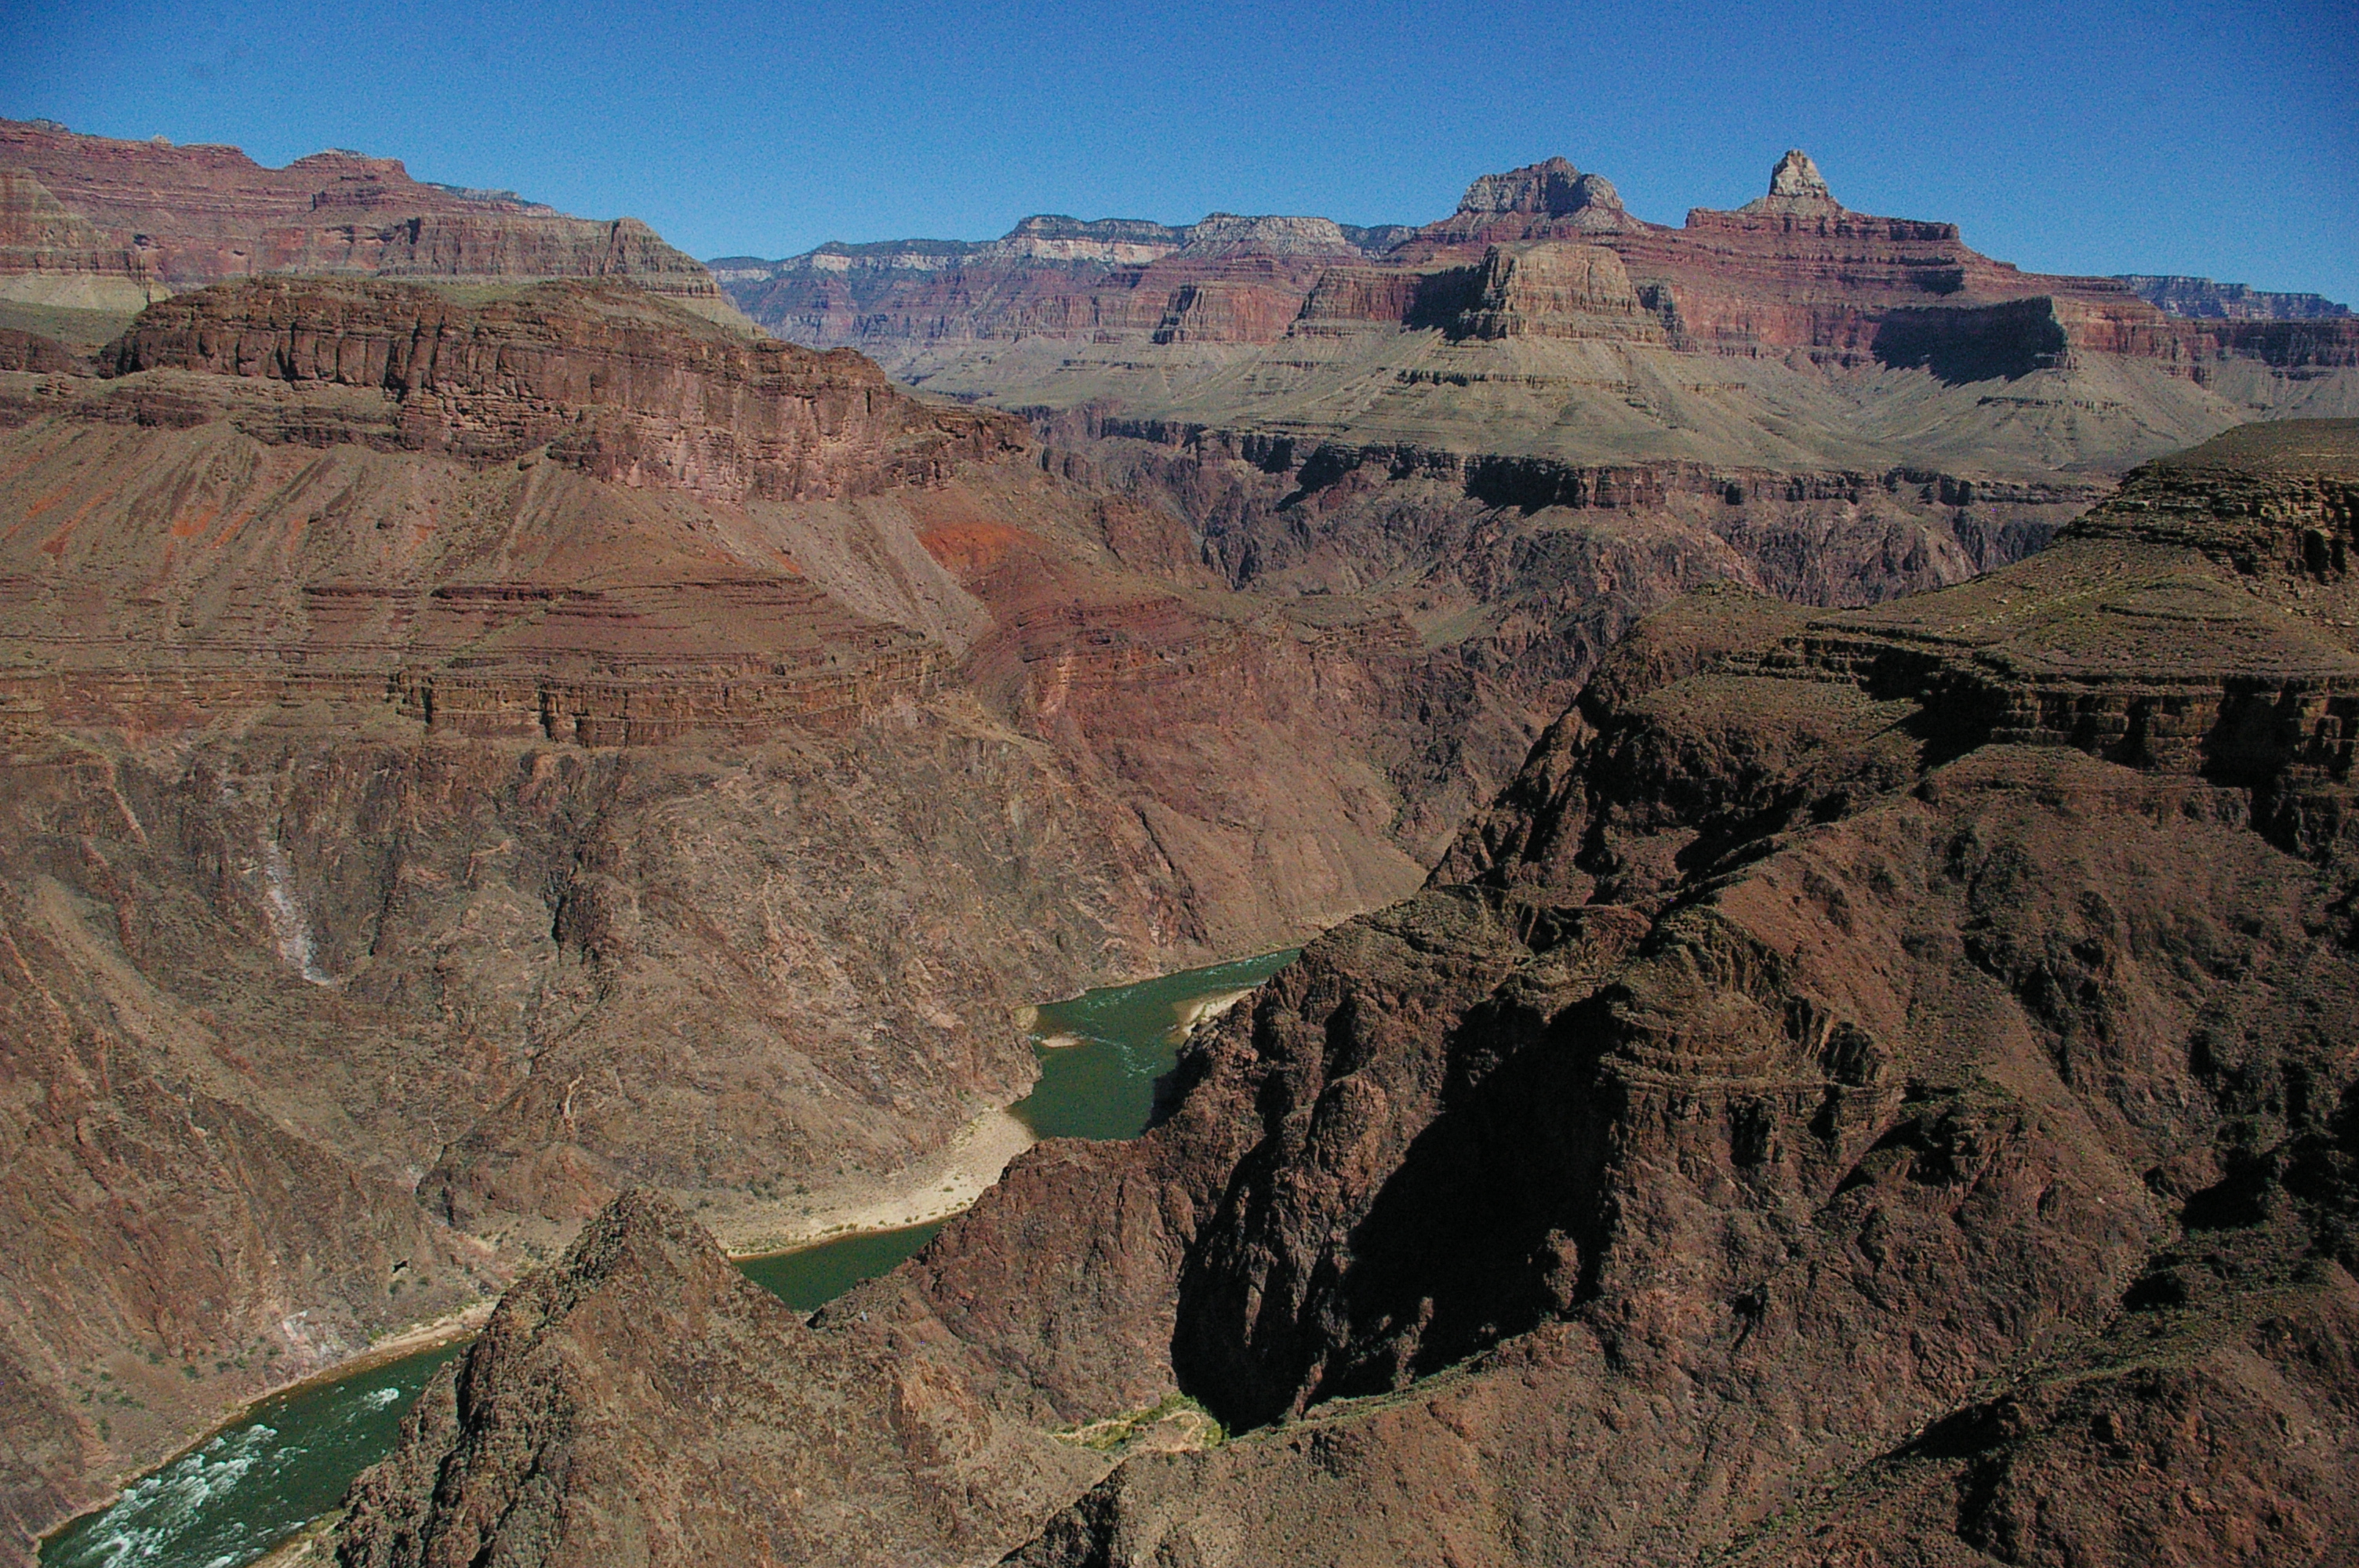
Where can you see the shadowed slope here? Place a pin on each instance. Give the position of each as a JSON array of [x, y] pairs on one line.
[[1856, 1017]]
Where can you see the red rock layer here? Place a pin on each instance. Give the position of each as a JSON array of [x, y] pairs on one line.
[[626, 392], [1347, 297], [1826, 280], [1176, 298], [187, 216], [1227, 311], [38, 236], [1788, 273], [593, 421], [1556, 289]]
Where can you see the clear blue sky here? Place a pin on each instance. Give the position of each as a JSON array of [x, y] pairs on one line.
[[2216, 138]]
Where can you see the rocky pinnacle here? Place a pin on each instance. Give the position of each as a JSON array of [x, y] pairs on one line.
[[1796, 186]]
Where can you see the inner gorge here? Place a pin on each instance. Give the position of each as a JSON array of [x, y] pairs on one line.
[[243, 1490], [1701, 872]]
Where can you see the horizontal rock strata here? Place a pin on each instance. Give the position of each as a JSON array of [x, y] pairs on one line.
[[1543, 318], [99, 223]]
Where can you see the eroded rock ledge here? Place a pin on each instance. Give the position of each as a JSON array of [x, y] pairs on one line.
[[610, 381]]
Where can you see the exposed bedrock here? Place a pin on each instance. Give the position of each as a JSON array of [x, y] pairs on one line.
[[1542, 321], [1821, 1108], [597, 374], [784, 1443], [1327, 517], [1550, 194], [316, 1035], [1776, 907], [1556, 290], [2229, 301], [408, 844], [1516, 573], [100, 224], [1791, 270]]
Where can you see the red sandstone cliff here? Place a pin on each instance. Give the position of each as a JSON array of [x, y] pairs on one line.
[[670, 403], [1793, 331], [101, 223]]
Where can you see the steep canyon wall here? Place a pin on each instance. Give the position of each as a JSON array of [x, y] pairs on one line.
[[1879, 1079]]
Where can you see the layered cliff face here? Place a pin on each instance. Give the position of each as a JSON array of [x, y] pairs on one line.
[[1505, 579], [1550, 289], [468, 754], [1877, 1087], [326, 614], [667, 403], [49, 255], [1549, 198], [1049, 276], [1834, 406], [95, 223], [1792, 332], [2180, 295], [502, 510]]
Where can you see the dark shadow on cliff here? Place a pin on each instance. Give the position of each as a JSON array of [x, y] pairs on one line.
[[1488, 1225], [1990, 343]]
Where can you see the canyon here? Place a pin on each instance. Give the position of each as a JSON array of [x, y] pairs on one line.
[[463, 758], [505, 762], [1879, 1079], [470, 750]]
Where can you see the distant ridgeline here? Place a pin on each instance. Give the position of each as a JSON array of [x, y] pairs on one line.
[[2229, 301], [1543, 320]]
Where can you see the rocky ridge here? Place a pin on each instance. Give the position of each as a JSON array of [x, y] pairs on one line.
[[1796, 190], [700, 409], [1770, 334], [1515, 205], [1878, 1080], [607, 411], [97, 223], [2237, 301], [902, 1465], [1054, 239], [1058, 276]]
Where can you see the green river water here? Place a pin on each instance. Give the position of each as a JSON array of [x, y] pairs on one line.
[[253, 1483]]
